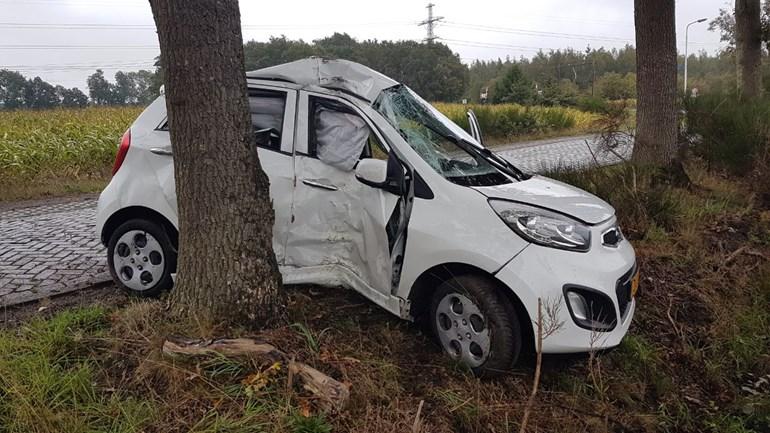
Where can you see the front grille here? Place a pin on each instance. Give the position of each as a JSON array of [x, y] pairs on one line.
[[623, 291]]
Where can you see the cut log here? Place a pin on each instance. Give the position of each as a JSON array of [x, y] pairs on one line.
[[329, 393]]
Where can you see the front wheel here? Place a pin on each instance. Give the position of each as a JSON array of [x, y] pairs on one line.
[[476, 325], [141, 258]]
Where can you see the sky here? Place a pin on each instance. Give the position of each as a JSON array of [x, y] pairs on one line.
[[63, 41]]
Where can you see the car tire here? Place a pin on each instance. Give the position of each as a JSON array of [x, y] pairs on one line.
[[476, 324], [141, 258]]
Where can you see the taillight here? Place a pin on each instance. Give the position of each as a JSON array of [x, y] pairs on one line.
[[125, 143]]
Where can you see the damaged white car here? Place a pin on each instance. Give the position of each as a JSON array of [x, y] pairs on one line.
[[377, 191]]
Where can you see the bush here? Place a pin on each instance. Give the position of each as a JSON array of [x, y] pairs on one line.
[[592, 104], [729, 133]]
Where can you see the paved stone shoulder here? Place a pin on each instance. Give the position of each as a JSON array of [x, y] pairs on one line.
[[47, 249]]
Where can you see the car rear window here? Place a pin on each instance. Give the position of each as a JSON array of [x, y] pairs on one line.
[[266, 108]]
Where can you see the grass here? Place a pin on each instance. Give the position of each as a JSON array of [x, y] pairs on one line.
[[692, 362]]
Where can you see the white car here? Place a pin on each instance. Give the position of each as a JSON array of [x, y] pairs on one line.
[[377, 191]]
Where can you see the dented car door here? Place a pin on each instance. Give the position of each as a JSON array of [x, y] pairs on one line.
[[343, 229]]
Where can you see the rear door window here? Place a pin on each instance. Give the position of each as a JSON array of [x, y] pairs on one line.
[[267, 108]]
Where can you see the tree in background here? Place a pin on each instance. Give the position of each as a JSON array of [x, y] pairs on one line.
[[124, 90], [99, 88], [725, 24], [40, 94], [13, 87], [513, 87], [432, 70], [71, 98], [748, 47], [227, 271], [656, 77]]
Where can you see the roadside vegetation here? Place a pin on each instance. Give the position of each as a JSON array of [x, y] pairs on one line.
[[62, 151], [67, 151], [697, 357], [503, 123]]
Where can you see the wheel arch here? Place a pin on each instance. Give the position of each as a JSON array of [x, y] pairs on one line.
[[139, 212], [426, 284]]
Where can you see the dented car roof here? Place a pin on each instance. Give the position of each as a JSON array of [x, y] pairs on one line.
[[336, 74]]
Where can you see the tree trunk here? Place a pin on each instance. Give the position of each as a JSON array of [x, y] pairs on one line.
[[227, 271], [748, 47], [656, 113]]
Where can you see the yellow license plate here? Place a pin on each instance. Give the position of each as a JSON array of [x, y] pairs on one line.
[[635, 284]]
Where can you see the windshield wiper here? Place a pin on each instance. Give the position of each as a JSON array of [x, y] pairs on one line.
[[520, 174], [501, 163]]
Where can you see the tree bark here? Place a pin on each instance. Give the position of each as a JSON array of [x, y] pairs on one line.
[[748, 47], [656, 113], [227, 271]]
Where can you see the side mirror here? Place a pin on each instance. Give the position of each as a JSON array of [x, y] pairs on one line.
[[388, 176], [372, 171]]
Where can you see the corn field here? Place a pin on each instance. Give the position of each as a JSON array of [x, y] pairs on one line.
[[69, 143], [81, 143]]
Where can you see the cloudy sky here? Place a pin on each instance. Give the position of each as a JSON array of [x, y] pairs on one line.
[[63, 41]]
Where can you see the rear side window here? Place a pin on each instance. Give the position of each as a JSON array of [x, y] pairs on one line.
[[267, 108]]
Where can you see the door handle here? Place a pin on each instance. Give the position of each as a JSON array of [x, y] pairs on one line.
[[161, 151], [319, 185]]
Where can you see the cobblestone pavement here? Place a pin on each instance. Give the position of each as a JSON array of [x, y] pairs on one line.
[[50, 248], [542, 156]]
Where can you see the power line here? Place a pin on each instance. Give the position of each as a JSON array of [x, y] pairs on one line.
[[102, 26], [77, 47], [526, 32], [480, 44]]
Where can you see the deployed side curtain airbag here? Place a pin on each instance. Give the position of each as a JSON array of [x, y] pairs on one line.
[[340, 137]]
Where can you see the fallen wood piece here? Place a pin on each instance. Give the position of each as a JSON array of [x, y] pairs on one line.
[[245, 347], [330, 393]]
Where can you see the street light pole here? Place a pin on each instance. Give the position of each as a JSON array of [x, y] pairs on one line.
[[686, 40]]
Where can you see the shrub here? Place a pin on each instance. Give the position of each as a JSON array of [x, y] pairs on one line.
[[729, 133]]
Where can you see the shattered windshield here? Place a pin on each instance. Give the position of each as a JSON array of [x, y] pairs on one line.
[[436, 139]]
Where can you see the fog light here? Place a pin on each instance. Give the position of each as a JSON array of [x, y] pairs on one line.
[[590, 309], [578, 305]]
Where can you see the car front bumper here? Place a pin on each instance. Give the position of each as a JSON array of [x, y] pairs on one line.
[[542, 273]]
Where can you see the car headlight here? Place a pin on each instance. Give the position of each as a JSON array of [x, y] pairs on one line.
[[543, 227]]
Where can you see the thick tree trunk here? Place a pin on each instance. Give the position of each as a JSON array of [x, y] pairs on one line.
[[227, 272], [748, 47], [656, 113]]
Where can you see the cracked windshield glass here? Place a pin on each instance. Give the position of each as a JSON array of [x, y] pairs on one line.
[[435, 138]]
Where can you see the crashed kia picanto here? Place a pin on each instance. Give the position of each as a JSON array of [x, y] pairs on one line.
[[377, 191]]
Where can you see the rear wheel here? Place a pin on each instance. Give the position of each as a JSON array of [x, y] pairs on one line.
[[475, 324], [141, 258]]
